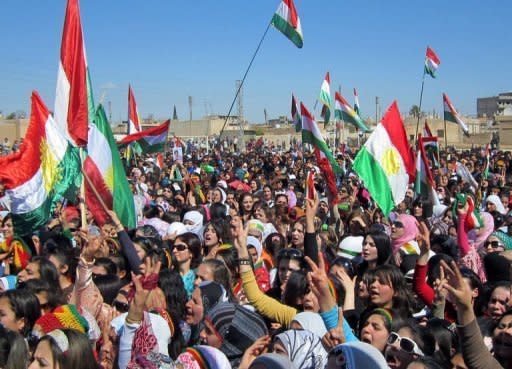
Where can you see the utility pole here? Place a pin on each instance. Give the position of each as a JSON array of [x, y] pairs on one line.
[[266, 116]]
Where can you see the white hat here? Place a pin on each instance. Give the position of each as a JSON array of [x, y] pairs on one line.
[[177, 228], [350, 246], [254, 242]]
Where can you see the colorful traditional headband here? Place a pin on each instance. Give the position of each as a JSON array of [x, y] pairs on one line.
[[60, 339]]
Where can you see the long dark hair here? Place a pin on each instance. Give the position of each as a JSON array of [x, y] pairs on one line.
[[296, 288], [25, 305], [194, 246], [383, 245], [13, 350], [79, 355], [392, 276]]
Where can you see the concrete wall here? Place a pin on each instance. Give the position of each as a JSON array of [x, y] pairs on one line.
[[13, 129]]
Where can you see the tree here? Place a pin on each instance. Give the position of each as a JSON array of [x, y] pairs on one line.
[[415, 111]]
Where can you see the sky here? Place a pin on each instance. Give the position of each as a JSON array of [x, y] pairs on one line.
[[171, 49]]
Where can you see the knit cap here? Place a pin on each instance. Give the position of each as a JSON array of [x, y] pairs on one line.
[[237, 327], [64, 316]]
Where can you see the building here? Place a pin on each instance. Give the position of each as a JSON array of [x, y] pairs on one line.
[[488, 107]]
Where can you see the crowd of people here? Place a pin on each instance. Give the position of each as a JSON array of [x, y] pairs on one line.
[[235, 263]]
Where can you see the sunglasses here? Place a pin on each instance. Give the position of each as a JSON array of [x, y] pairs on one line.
[[494, 244], [180, 247], [398, 225], [406, 344], [120, 306]]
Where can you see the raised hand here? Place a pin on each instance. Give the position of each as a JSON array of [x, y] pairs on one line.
[[259, 347]]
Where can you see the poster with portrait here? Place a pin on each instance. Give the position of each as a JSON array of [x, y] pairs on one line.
[[177, 154]]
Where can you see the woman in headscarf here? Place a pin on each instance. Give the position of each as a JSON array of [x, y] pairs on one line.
[[403, 234], [304, 349], [493, 203], [193, 221], [232, 329], [309, 321], [203, 357]]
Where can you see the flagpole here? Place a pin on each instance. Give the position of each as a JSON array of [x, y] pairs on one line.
[[419, 112], [243, 79], [83, 212], [445, 135]]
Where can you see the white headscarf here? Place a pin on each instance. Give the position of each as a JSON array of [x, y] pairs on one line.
[[312, 322], [304, 349], [197, 222], [496, 201]]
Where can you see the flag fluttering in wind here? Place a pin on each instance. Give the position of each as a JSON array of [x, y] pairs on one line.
[[385, 163], [424, 183], [487, 164], [46, 169], [105, 171], [451, 115], [150, 140], [427, 132], [343, 111], [356, 102], [296, 121], [325, 160], [432, 62], [287, 21], [133, 113], [325, 98], [431, 148], [74, 107], [310, 185]]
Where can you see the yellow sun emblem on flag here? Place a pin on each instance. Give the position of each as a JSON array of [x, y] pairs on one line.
[[390, 161], [49, 166]]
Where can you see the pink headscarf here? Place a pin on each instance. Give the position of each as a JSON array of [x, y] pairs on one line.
[[410, 231]]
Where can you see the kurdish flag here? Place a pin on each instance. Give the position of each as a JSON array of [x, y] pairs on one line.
[[385, 163], [325, 98], [311, 134], [427, 132], [451, 115], [424, 183], [287, 21], [105, 170], [150, 140], [45, 169], [296, 120], [356, 102], [74, 107], [430, 146], [431, 62], [343, 111], [133, 113]]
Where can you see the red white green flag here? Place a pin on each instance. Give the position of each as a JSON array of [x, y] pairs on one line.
[[432, 62], [343, 111], [325, 98], [424, 183], [385, 163], [427, 132], [287, 21], [356, 102], [296, 121], [45, 169], [74, 107], [106, 173], [325, 160], [133, 113], [150, 140], [451, 115]]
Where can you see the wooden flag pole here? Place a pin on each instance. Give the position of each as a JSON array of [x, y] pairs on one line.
[[419, 112], [95, 191], [83, 212]]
